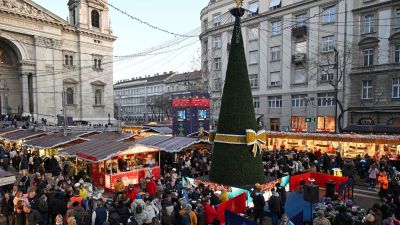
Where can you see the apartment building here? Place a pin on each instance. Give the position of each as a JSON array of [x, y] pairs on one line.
[[375, 74], [140, 99], [290, 48], [148, 99]]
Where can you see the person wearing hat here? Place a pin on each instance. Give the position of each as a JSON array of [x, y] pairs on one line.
[[137, 202], [131, 192], [259, 203], [100, 214], [119, 187], [151, 186], [321, 219], [188, 216], [210, 213]]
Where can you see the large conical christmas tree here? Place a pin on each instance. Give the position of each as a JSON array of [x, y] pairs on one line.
[[235, 164]]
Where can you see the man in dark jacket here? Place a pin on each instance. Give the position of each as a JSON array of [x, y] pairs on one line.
[[275, 205], [259, 203], [57, 205], [33, 216], [79, 213], [100, 214], [55, 167]]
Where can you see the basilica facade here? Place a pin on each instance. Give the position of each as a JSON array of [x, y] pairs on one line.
[[48, 64]]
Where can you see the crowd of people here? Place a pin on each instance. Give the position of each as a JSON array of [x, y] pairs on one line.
[[51, 190]]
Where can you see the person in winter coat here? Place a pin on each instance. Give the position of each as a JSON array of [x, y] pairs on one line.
[[150, 213], [138, 201], [259, 203], [321, 219], [57, 206], [123, 211], [200, 215], [79, 213], [342, 218], [274, 206], [113, 217], [383, 185], [187, 212], [100, 214], [139, 213], [55, 168], [18, 217], [33, 216], [131, 192], [151, 186], [210, 213], [24, 164], [25, 182]]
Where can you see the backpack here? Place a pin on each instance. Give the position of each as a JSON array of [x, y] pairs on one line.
[[43, 205], [139, 209], [186, 218]]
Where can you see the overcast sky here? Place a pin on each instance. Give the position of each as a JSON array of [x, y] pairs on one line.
[[178, 16]]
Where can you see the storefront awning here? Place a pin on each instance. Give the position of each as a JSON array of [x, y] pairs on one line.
[[169, 144], [160, 130], [355, 138], [23, 135], [101, 151], [6, 178], [51, 141], [95, 140], [387, 129], [9, 130]]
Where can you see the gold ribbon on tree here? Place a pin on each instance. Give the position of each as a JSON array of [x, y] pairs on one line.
[[251, 138]]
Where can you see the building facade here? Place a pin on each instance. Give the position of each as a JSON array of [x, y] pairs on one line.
[[290, 50], [148, 99], [46, 60], [375, 75], [141, 99]]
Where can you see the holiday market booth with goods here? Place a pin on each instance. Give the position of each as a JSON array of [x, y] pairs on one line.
[[20, 136], [53, 143], [349, 145], [174, 147]]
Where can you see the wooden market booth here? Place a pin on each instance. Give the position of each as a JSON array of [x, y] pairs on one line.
[[113, 155], [173, 147], [21, 136], [147, 131], [349, 145], [53, 143]]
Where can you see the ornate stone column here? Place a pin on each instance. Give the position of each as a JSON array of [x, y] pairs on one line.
[[25, 94]]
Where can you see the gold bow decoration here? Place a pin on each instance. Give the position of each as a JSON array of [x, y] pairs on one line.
[[251, 138], [256, 139]]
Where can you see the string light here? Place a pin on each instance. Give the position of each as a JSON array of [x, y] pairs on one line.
[[147, 23]]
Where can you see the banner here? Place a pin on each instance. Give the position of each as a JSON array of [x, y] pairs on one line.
[[234, 219], [297, 219], [236, 205]]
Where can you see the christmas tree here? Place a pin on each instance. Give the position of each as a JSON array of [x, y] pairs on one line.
[[234, 163]]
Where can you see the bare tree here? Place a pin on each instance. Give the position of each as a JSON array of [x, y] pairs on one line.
[[334, 65], [162, 103]]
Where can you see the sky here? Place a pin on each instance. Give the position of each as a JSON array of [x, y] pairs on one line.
[[177, 16]]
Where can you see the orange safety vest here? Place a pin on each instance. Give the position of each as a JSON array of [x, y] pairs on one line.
[[383, 182]]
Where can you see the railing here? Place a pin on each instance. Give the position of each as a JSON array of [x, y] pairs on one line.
[[299, 31], [299, 58], [376, 68]]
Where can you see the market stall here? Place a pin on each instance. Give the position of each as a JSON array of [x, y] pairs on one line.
[[349, 145], [121, 160], [174, 147], [18, 138], [51, 144], [112, 155]]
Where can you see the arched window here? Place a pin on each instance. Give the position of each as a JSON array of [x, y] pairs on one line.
[[99, 63], [5, 58], [70, 96], [71, 60], [97, 97], [95, 63], [95, 19], [66, 60]]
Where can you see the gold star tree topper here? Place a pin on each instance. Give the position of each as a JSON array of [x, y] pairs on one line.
[[239, 3]]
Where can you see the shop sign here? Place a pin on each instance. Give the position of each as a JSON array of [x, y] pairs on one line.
[[366, 121]]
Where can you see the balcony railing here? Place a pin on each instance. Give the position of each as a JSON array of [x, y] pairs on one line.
[[299, 58], [376, 68], [299, 31]]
